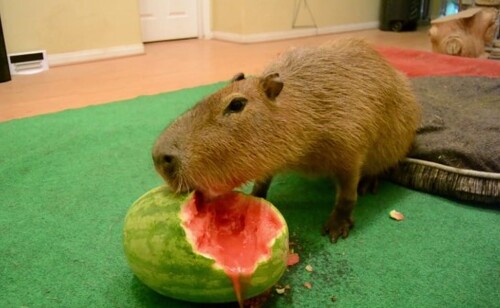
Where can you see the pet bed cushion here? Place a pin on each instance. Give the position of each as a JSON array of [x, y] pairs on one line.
[[457, 149]]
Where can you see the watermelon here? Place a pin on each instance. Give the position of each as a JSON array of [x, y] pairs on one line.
[[184, 247]]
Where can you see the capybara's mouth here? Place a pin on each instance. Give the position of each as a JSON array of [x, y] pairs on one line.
[[211, 192], [184, 184], [178, 185]]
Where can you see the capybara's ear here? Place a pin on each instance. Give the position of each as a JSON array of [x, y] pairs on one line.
[[238, 77], [272, 85]]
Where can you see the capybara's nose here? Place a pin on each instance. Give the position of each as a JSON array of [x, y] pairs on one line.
[[168, 159], [166, 162]]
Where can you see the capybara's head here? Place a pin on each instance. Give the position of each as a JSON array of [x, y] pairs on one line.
[[223, 141]]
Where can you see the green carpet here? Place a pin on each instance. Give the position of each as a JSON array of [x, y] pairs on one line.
[[67, 179]]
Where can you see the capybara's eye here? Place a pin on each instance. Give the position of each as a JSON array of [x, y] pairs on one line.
[[236, 105]]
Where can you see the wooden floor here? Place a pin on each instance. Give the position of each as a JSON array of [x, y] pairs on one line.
[[165, 66]]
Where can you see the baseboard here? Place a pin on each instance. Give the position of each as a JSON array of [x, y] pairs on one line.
[[294, 33], [263, 37], [94, 54], [348, 27]]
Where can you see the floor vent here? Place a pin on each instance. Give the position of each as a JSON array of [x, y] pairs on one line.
[[26, 63]]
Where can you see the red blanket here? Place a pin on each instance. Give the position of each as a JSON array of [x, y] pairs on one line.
[[420, 63]]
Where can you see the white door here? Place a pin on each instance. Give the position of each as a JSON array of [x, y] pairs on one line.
[[168, 19]]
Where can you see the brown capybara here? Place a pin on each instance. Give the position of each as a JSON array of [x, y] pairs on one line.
[[338, 110]]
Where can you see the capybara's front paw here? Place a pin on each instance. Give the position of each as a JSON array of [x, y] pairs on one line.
[[338, 226]]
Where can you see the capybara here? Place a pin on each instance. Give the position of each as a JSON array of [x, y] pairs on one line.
[[338, 110]]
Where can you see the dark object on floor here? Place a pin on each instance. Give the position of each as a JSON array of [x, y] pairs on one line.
[[396, 15], [4, 63], [457, 149]]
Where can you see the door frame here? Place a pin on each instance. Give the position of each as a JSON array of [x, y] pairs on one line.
[[205, 19]]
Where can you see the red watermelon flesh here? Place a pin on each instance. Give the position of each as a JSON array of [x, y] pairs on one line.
[[236, 232]]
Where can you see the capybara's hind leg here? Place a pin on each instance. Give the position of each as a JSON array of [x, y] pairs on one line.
[[341, 221], [368, 184]]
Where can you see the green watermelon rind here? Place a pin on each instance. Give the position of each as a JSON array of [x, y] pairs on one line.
[[195, 278]]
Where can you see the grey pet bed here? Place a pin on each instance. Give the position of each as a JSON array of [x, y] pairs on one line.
[[457, 149]]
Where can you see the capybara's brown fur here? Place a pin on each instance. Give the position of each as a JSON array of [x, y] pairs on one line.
[[338, 110]]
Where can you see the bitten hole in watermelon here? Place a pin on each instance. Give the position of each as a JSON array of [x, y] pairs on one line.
[[235, 230]]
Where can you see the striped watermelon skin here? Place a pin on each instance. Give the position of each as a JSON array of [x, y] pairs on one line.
[[160, 256]]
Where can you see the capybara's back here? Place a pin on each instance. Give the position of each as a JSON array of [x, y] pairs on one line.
[[339, 110], [361, 110]]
